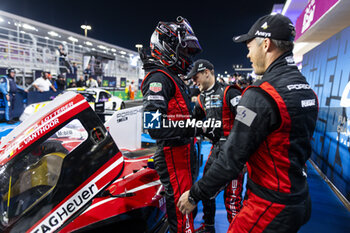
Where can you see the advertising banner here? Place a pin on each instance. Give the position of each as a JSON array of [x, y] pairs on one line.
[[122, 82], [109, 81], [314, 10], [327, 69]]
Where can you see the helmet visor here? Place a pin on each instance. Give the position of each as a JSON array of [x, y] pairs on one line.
[[192, 45]]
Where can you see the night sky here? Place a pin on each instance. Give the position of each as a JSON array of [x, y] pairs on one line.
[[126, 23]]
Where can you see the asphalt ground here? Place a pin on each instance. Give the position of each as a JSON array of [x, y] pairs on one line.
[[132, 103]]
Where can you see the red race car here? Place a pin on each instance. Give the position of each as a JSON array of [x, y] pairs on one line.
[[61, 171]]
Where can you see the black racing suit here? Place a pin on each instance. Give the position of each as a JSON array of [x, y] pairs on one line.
[[165, 92], [275, 121], [219, 103]]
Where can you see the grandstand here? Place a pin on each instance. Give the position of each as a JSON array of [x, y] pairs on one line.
[[32, 47]]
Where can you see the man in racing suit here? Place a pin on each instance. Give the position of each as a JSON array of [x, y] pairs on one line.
[[275, 121], [218, 102], [166, 98]]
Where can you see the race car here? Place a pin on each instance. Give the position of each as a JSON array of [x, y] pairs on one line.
[[92, 95], [98, 95], [62, 171]]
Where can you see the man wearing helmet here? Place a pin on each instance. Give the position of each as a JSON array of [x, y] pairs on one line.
[[8, 88], [173, 44]]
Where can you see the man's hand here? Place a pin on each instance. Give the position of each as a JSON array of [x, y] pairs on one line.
[[184, 205], [8, 97], [212, 133]]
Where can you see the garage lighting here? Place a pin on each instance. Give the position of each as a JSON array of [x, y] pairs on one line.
[[122, 52], [1, 20], [93, 49], [71, 38], [80, 46], [47, 38], [52, 33], [88, 43], [102, 47], [29, 27], [113, 50]]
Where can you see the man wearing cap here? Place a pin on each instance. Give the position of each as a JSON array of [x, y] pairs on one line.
[[8, 88], [275, 121], [216, 101]]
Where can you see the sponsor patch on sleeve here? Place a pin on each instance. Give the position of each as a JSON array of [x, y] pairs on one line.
[[234, 101], [155, 97], [155, 87], [245, 115], [308, 103]]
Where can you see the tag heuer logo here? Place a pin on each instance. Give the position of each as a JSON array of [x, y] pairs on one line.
[[265, 26], [155, 87]]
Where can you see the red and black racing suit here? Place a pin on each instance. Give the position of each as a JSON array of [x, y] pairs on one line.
[[219, 103], [164, 91], [273, 127]]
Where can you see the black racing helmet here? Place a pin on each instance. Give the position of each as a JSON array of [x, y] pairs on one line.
[[174, 44]]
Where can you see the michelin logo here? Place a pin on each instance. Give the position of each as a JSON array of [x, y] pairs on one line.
[[65, 211], [151, 120]]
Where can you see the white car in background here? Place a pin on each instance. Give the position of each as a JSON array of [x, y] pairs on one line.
[[92, 95]]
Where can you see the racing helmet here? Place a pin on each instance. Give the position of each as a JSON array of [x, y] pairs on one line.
[[174, 44]]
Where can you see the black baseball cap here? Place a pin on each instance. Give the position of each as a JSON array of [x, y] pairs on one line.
[[10, 70], [277, 26], [199, 66]]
